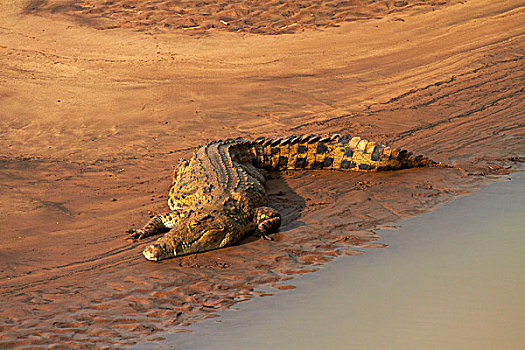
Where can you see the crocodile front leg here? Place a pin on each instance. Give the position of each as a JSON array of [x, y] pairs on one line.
[[267, 220], [155, 225]]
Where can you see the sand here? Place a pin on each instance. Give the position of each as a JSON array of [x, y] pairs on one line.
[[96, 110]]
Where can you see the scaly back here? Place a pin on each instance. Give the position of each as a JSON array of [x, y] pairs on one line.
[[339, 152]]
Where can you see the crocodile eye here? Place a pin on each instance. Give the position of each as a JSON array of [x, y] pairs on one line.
[[207, 218], [194, 224]]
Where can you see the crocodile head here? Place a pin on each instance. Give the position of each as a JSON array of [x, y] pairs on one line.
[[198, 234], [158, 251]]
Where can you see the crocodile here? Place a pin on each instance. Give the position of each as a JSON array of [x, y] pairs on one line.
[[218, 196]]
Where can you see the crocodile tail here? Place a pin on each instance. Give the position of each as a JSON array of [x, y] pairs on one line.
[[338, 152]]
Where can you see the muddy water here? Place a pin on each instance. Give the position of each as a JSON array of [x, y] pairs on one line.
[[450, 279]]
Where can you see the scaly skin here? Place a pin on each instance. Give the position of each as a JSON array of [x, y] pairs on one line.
[[218, 196]]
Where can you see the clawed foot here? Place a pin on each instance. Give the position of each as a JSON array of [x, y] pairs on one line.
[[264, 236], [136, 234]]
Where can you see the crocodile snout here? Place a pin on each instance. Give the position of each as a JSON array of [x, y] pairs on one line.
[[156, 252]]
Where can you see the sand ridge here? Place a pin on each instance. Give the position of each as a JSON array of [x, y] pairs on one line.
[[199, 17], [93, 121]]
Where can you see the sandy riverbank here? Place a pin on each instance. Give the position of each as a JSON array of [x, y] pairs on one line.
[[94, 117]]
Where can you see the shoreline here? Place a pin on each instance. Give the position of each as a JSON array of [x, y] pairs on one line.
[[447, 279]]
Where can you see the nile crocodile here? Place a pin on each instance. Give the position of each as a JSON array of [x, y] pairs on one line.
[[218, 196]]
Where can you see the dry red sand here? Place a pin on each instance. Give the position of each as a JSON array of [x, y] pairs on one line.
[[92, 122], [198, 17]]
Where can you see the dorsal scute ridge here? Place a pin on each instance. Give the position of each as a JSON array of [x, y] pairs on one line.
[[314, 138], [305, 138], [275, 142], [286, 140], [319, 151], [293, 139], [354, 141]]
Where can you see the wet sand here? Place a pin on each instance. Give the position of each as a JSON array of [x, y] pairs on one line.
[[450, 279], [94, 118]]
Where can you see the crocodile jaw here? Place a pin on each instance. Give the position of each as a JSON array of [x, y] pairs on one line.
[[155, 252]]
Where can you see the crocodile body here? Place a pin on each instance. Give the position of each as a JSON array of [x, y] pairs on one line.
[[218, 196]]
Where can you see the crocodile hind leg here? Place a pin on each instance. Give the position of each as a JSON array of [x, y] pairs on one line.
[[267, 221], [155, 225]]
